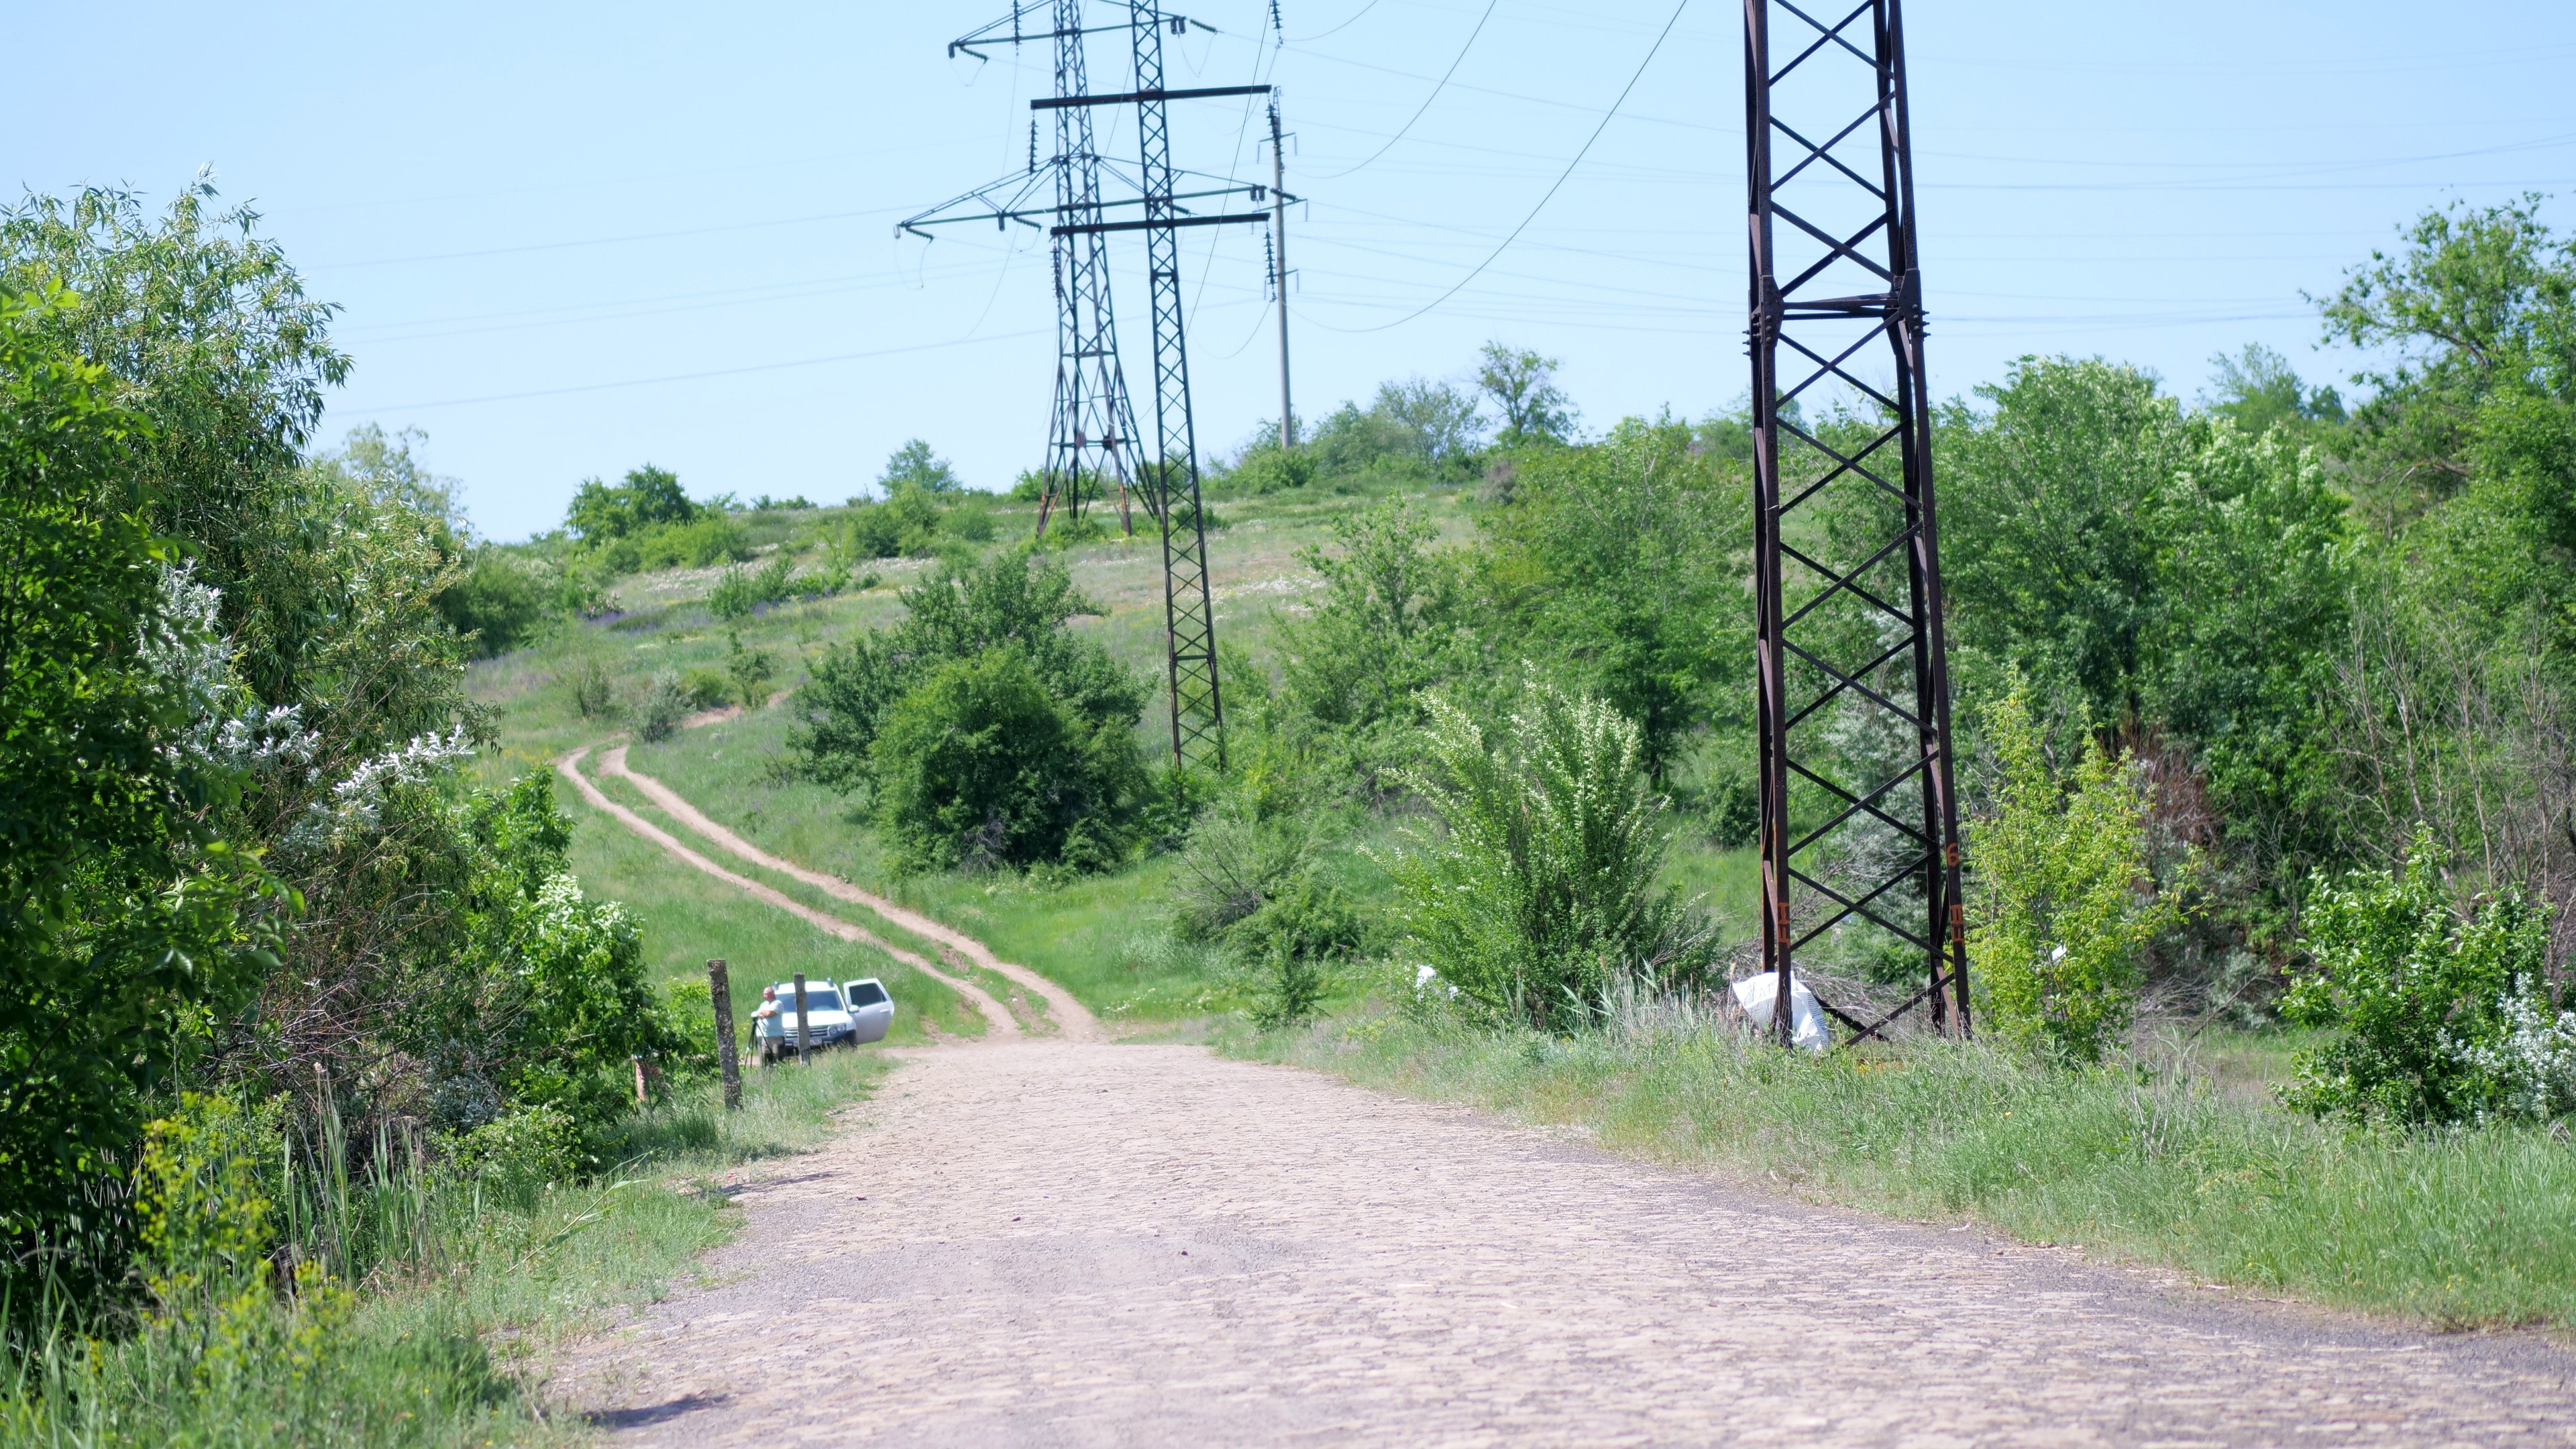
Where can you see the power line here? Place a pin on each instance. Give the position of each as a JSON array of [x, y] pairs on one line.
[[1552, 190], [1426, 100]]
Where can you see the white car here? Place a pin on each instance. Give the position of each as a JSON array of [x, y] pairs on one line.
[[850, 1014]]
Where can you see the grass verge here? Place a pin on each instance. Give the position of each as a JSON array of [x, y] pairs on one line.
[[443, 1342], [2155, 1164]]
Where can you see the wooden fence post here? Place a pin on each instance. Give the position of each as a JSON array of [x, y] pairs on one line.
[[720, 991], [804, 1052]]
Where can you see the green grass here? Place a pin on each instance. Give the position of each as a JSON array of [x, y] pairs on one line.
[[690, 917], [445, 1344], [2173, 1164]]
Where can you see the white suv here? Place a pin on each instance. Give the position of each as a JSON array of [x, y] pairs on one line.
[[851, 1014]]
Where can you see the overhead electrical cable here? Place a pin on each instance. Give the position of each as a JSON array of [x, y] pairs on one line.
[[1336, 30], [1606, 118], [1425, 107]]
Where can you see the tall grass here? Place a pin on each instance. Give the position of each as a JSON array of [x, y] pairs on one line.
[[401, 1300], [2150, 1161]]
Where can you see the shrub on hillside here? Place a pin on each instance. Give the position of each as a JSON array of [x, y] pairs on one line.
[[2066, 905], [1543, 890], [2441, 1014], [982, 766], [959, 612], [660, 708], [703, 542]]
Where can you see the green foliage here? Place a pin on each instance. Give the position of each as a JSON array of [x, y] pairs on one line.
[[126, 935], [913, 466], [1619, 568], [981, 765], [1544, 890], [1263, 470], [2426, 1000], [2066, 905], [705, 541], [649, 498], [2479, 304], [1523, 387], [750, 671], [2258, 390], [2189, 582], [659, 710], [1393, 621], [958, 613], [518, 1154], [740, 592], [547, 998]]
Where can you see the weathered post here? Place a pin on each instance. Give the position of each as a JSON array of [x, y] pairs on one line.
[[720, 992], [639, 1079], [804, 1053]]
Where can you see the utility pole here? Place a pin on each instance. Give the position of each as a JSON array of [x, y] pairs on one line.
[[1841, 282], [1279, 268]]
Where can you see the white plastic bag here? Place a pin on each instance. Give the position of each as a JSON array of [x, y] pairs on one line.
[[1757, 995]]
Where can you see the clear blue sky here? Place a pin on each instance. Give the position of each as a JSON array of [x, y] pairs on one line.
[[539, 217]]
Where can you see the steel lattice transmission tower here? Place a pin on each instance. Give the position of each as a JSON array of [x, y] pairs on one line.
[[1859, 831], [1093, 439], [1091, 434]]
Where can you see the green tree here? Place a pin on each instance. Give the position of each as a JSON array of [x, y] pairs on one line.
[[1523, 387], [914, 466], [2066, 904], [649, 497], [125, 929], [1620, 566], [2258, 390]]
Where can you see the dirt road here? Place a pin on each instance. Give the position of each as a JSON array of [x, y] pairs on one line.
[[1049, 1243]]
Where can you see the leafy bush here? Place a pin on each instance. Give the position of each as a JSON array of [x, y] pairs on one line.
[[2066, 903], [649, 497], [706, 688], [1544, 890], [740, 592], [749, 670], [663, 704], [515, 1155], [1268, 470], [709, 539], [1235, 863], [594, 689], [959, 612], [981, 765], [2441, 1015], [969, 522]]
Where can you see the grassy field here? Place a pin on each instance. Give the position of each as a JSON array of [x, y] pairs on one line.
[[447, 1344], [1102, 937]]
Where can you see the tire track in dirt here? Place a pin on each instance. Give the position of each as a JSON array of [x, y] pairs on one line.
[[1071, 1016], [997, 1017]]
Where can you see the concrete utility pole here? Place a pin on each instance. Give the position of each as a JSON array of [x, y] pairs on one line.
[[1279, 268]]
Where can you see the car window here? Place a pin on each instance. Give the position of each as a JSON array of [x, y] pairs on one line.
[[865, 993], [817, 998]]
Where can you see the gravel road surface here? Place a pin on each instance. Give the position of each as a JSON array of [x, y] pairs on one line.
[[1056, 1243]]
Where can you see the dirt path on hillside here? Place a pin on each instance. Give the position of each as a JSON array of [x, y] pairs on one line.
[[1071, 1017], [1055, 1244], [997, 1017]]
